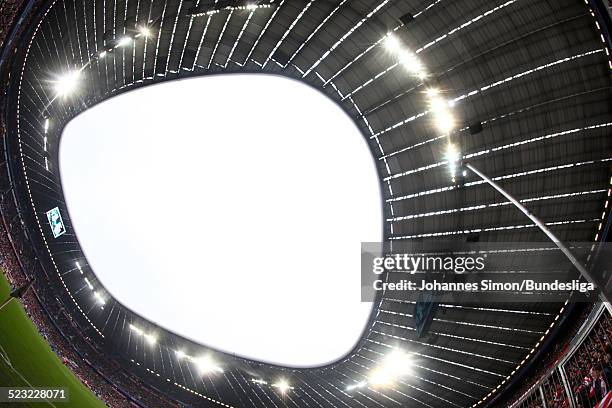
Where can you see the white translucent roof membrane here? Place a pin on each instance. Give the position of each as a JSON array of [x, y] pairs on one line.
[[230, 210]]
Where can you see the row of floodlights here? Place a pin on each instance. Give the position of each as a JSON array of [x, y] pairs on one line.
[[393, 367], [439, 108], [247, 7], [149, 337], [206, 365], [96, 294], [67, 84], [396, 364]]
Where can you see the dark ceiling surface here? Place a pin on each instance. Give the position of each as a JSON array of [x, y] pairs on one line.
[[534, 74]]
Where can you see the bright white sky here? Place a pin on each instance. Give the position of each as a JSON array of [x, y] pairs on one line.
[[230, 210]]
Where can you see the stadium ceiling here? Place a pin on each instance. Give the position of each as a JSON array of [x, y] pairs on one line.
[[528, 84]]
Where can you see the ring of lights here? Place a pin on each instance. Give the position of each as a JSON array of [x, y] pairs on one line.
[[384, 101]]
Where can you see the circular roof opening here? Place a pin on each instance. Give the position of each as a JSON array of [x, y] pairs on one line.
[[230, 210]]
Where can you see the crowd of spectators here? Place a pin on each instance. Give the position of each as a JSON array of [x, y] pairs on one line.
[[8, 12], [58, 343], [589, 370], [105, 377], [554, 391], [550, 359]]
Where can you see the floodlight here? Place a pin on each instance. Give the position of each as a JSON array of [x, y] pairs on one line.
[[144, 31], [102, 54], [452, 154], [360, 384], [207, 365], [381, 378], [99, 298], [283, 386], [393, 366], [392, 43], [251, 6], [398, 362], [67, 83], [440, 109], [123, 41], [413, 64], [444, 120], [432, 92], [151, 339], [136, 329], [180, 354]]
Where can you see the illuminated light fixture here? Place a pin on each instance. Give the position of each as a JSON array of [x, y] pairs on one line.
[[283, 386], [251, 6], [207, 365], [453, 156], [46, 164], [150, 338], [144, 31], [78, 265], [67, 83], [432, 92], [99, 298], [358, 385], [45, 143], [381, 378], [413, 64], [102, 54], [88, 283], [443, 118], [395, 365], [392, 43], [123, 41], [180, 354], [259, 381], [46, 125]]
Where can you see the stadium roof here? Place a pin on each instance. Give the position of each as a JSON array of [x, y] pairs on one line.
[[522, 86]]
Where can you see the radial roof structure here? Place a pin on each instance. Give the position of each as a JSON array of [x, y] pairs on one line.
[[520, 88]]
